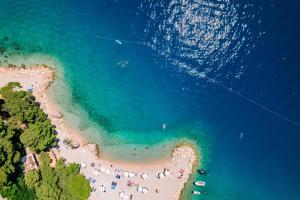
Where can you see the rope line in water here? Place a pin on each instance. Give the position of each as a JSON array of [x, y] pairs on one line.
[[254, 102], [246, 98]]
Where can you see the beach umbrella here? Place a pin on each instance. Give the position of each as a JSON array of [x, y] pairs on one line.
[[92, 164], [125, 174], [122, 194], [107, 171], [96, 172], [83, 165], [144, 176], [130, 183], [102, 169], [161, 175], [139, 189], [102, 188], [166, 172], [145, 190], [131, 175]]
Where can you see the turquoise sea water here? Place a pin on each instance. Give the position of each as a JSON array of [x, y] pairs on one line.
[[163, 72]]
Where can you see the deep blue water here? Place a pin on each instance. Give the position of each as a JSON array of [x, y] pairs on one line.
[[133, 88]]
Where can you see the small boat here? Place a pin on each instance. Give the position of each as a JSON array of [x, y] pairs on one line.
[[118, 41], [202, 172], [196, 193], [200, 183]]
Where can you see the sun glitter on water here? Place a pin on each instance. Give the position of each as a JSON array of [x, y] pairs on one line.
[[209, 35]]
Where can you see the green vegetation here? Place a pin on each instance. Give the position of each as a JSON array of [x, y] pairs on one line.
[[10, 154], [38, 136], [62, 182], [23, 124], [24, 112], [17, 190]]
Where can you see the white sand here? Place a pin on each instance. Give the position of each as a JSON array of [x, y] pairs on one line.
[[169, 187]]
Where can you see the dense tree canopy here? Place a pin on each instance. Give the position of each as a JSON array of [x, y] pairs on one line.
[[44, 159], [38, 136], [9, 154], [21, 105], [18, 190], [24, 124], [32, 178], [23, 110], [48, 186], [60, 183], [72, 183]]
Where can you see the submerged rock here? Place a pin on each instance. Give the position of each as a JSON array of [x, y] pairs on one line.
[[72, 143], [57, 115], [12, 65], [94, 149], [16, 46], [123, 63], [2, 50]]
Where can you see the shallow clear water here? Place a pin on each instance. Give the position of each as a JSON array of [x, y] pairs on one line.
[[163, 73]]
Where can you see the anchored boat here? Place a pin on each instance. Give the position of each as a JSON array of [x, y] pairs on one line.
[[200, 183], [118, 41], [202, 172], [196, 193]]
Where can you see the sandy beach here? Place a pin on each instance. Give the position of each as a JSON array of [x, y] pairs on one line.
[[161, 180]]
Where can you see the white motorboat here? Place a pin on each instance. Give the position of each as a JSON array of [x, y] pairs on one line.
[[196, 193], [200, 183], [118, 41]]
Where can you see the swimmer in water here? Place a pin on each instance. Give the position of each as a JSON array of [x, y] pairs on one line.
[[241, 136]]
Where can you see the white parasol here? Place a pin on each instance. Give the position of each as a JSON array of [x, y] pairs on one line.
[[144, 176], [139, 189], [167, 173], [145, 190], [161, 175], [125, 174], [131, 175]]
